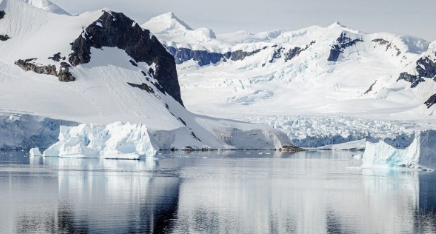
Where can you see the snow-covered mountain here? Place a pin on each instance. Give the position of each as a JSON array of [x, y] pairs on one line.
[[330, 70], [98, 68], [47, 6], [321, 85]]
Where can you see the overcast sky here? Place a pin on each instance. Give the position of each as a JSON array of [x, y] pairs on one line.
[[417, 18]]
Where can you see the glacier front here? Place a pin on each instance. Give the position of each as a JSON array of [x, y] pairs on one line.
[[420, 154], [114, 141]]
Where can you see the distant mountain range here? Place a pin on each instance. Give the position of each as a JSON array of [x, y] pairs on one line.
[[330, 70]]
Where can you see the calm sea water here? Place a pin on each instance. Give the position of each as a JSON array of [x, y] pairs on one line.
[[238, 192]]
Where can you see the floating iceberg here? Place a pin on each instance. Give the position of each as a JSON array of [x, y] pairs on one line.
[[115, 141], [34, 152], [420, 154]]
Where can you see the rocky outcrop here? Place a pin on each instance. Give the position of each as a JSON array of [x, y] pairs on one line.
[[28, 66], [370, 87], [204, 57], [63, 75], [239, 55], [341, 44], [388, 45], [291, 149], [277, 54], [294, 52], [431, 101], [57, 57], [425, 69], [4, 37], [117, 30], [142, 86], [415, 80]]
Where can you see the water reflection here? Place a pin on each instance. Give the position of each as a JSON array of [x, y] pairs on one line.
[[237, 192]]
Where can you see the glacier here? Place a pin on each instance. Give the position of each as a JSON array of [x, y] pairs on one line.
[[113, 141], [421, 154], [25, 131]]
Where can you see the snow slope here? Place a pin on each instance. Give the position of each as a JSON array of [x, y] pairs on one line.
[[111, 87]]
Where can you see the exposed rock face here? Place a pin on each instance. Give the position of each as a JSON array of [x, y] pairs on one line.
[[241, 55], [277, 54], [415, 80], [425, 68], [342, 43], [294, 52], [388, 45], [142, 86], [370, 87], [117, 30], [204, 57], [431, 101], [4, 37], [28, 66], [63, 75], [57, 57]]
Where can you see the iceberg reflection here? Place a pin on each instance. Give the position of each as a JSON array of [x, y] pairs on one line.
[[237, 192]]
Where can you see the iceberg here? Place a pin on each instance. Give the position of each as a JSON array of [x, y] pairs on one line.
[[34, 152], [114, 141], [420, 154]]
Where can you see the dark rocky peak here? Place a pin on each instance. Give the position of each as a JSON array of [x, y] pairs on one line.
[[2, 14], [117, 30], [425, 69], [343, 42]]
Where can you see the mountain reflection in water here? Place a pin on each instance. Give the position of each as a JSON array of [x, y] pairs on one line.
[[232, 192]]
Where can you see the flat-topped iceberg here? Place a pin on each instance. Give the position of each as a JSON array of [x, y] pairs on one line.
[[116, 141], [420, 154]]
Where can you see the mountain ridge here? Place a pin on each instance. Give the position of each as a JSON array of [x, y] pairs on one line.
[[264, 69]]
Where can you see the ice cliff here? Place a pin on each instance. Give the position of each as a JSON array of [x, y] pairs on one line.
[[420, 154], [117, 140]]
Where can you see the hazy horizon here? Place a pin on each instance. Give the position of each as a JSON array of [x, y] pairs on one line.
[[399, 17]]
